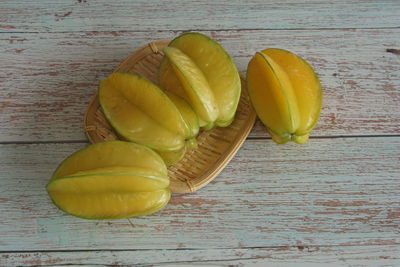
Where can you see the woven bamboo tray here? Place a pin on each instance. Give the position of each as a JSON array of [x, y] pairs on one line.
[[215, 147]]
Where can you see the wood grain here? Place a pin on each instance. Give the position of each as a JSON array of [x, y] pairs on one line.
[[47, 79], [251, 257], [333, 191], [82, 15], [334, 201]]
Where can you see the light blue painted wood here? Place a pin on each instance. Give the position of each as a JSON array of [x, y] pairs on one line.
[[246, 257], [334, 201], [331, 191], [44, 16], [48, 79]]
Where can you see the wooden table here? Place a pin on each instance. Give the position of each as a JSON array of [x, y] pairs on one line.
[[335, 200]]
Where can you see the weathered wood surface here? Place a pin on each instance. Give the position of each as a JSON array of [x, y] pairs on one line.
[[48, 79], [335, 201], [332, 191], [144, 15], [245, 257]]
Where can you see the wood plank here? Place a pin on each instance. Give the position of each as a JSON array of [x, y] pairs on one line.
[[330, 192], [82, 15], [46, 80], [281, 256]]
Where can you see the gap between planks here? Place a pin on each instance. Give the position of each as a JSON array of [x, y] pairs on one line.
[[301, 247], [206, 30]]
